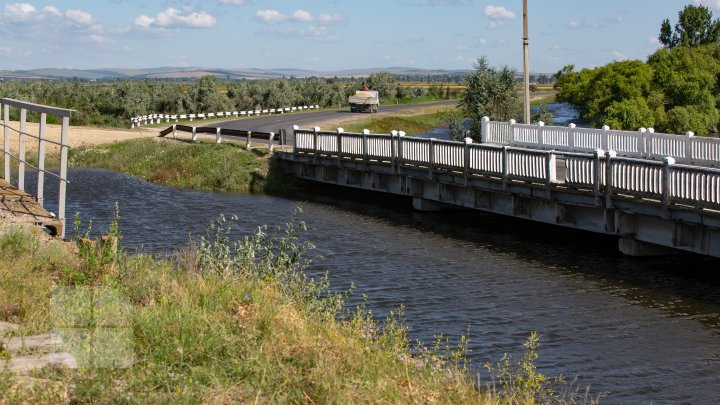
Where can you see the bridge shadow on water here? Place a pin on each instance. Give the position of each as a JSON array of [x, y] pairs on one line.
[[684, 284]]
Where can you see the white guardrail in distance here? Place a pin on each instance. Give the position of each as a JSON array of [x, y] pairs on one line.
[[603, 173], [42, 141], [158, 118], [643, 143]]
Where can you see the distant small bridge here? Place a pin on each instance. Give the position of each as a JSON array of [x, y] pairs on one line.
[[565, 176]]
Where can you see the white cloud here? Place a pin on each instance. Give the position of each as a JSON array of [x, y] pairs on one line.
[[619, 55], [712, 4], [498, 15], [52, 10], [329, 18], [21, 12], [79, 17], [233, 2], [302, 15], [653, 41], [574, 24], [174, 18], [270, 16]]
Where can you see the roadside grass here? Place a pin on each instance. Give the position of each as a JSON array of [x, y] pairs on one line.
[[228, 320], [226, 167], [412, 125]]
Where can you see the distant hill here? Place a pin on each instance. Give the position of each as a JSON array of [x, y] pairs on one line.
[[196, 71]]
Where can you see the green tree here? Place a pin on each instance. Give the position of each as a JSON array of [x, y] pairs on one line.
[[207, 97], [384, 83], [695, 27], [490, 92]]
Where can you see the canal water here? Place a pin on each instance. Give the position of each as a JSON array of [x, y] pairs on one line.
[[640, 330]]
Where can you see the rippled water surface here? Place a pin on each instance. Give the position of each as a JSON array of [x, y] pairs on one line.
[[639, 329]]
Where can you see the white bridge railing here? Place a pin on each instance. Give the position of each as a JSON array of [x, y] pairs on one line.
[[606, 174], [42, 140], [644, 143], [159, 118]]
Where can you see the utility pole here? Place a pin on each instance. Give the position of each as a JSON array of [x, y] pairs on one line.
[[526, 57]]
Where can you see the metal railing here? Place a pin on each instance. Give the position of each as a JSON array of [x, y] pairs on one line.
[[606, 174], [42, 141]]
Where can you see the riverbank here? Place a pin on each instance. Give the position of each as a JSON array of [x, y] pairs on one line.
[[220, 321]]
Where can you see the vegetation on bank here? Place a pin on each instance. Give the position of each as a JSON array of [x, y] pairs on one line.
[[411, 125], [225, 167], [226, 320]]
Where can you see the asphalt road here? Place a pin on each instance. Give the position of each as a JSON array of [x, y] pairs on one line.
[[309, 119]]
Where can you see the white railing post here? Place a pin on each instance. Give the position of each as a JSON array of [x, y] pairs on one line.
[[540, 125], [365, 144], [667, 180], [484, 129], [248, 140], [609, 155], [41, 160], [550, 168], [218, 135], [571, 136], [64, 139], [642, 142], [393, 134], [339, 142], [605, 141], [6, 145], [466, 157], [511, 132], [315, 142], [431, 156], [271, 143], [689, 136], [295, 129], [598, 155], [505, 166], [194, 134], [21, 150], [174, 130], [401, 135]]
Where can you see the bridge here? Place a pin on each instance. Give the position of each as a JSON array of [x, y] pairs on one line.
[[656, 192]]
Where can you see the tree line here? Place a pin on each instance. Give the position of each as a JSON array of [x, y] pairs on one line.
[[113, 102], [677, 89]]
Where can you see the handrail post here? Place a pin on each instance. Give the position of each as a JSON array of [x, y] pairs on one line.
[[194, 134], [484, 129], [174, 130], [271, 143], [431, 156], [393, 134], [401, 135], [540, 125], [339, 144], [689, 136], [41, 160], [6, 145], [248, 140], [550, 168], [64, 134], [605, 141], [642, 142], [598, 155], [21, 150], [609, 155], [295, 139], [315, 143], [511, 132], [571, 136], [505, 166], [218, 135], [667, 180], [466, 157], [365, 145]]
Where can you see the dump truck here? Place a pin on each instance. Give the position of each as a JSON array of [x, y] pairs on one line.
[[364, 101]]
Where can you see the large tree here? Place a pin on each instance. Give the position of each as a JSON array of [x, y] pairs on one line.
[[490, 92], [695, 27]]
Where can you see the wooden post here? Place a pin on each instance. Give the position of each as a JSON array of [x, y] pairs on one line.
[[41, 160], [21, 150]]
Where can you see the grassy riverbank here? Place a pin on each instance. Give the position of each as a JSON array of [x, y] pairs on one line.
[[411, 124], [227, 167], [224, 321]]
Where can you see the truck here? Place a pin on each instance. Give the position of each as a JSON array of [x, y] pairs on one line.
[[364, 101]]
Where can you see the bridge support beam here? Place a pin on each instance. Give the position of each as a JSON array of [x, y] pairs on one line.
[[636, 248], [421, 204]]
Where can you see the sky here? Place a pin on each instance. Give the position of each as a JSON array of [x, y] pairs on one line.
[[328, 34]]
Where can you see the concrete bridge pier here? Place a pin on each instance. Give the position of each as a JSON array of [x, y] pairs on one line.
[[636, 248]]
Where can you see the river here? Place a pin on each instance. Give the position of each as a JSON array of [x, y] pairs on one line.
[[640, 330]]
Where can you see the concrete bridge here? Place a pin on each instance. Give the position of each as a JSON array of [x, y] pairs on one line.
[[653, 206]]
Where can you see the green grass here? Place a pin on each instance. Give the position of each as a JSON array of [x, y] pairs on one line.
[[228, 321], [412, 125], [202, 166]]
